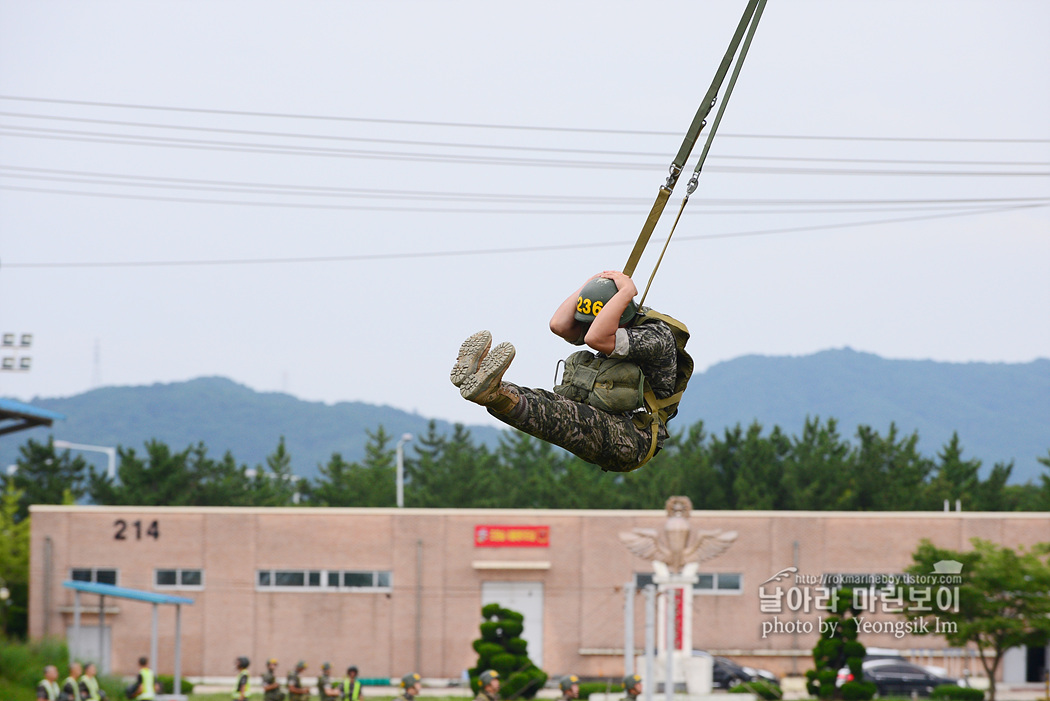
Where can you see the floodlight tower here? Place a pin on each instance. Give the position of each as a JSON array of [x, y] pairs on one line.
[[15, 348]]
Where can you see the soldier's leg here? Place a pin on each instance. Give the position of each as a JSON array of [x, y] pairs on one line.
[[611, 441]]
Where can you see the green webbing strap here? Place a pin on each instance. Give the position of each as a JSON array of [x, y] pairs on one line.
[[729, 91], [690, 140], [712, 93], [647, 230]]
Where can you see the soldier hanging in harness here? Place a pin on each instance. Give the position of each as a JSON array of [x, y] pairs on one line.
[[612, 407]]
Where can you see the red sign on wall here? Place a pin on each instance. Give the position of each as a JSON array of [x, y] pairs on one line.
[[512, 536]]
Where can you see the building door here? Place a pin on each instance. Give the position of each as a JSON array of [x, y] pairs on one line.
[[527, 599], [85, 647]]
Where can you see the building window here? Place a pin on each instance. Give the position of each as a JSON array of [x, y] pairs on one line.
[[178, 578], [719, 583], [707, 582], [324, 580], [98, 575]]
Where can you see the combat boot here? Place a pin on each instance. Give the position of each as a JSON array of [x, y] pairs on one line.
[[485, 387], [471, 353]]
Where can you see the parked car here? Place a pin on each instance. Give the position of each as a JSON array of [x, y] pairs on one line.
[[885, 653], [725, 673], [894, 677]]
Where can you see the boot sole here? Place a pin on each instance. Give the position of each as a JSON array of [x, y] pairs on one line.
[[487, 379], [471, 353]]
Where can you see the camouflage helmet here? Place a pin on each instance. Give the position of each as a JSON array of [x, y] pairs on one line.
[[595, 295], [631, 681], [326, 665], [488, 676], [567, 681], [243, 663], [301, 664], [409, 680]]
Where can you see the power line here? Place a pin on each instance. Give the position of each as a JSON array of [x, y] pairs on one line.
[[499, 147], [282, 189], [734, 201], [503, 251], [401, 209], [172, 142], [513, 127]]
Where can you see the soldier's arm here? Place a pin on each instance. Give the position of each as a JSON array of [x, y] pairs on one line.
[[602, 334], [564, 323]]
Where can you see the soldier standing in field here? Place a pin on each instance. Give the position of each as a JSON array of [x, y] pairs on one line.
[[632, 684], [570, 688], [271, 687], [324, 684], [410, 687], [489, 686], [297, 691], [351, 685], [243, 689], [71, 685], [89, 688], [47, 688]]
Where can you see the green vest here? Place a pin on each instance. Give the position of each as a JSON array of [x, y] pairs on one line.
[[92, 686], [617, 385], [148, 685], [348, 694], [243, 676], [52, 689]]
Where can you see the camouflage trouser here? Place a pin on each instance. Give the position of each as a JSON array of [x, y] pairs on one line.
[[611, 441]]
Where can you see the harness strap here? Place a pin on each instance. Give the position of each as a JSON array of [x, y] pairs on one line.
[[675, 169]]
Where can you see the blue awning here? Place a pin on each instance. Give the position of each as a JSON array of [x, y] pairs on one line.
[[151, 597], [22, 416]]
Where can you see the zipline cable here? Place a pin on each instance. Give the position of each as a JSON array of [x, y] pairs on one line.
[[695, 180], [698, 123]]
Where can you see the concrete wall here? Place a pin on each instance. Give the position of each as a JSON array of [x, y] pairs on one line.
[[437, 577]]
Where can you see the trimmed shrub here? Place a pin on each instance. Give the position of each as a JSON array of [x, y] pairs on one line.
[[517, 645], [501, 648], [858, 691], [524, 684], [486, 649], [762, 689], [951, 692], [167, 683], [588, 688]]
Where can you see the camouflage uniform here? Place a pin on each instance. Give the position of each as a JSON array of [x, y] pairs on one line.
[[294, 680], [485, 696], [324, 682], [268, 678], [614, 442]]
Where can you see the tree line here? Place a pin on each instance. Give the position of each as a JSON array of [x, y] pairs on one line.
[[738, 468]]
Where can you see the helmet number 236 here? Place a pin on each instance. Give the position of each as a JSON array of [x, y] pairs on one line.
[[586, 306]]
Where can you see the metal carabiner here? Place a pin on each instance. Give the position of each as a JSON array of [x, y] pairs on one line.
[[560, 362]]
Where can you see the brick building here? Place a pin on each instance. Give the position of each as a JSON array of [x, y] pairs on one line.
[[394, 590]]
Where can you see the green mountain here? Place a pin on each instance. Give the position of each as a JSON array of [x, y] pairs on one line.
[[1001, 411], [225, 416]]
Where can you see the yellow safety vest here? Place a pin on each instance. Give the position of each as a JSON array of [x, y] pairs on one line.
[[148, 685], [353, 695], [92, 686], [247, 685], [52, 689]]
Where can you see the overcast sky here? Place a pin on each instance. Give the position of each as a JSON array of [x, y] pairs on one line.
[[411, 172]]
